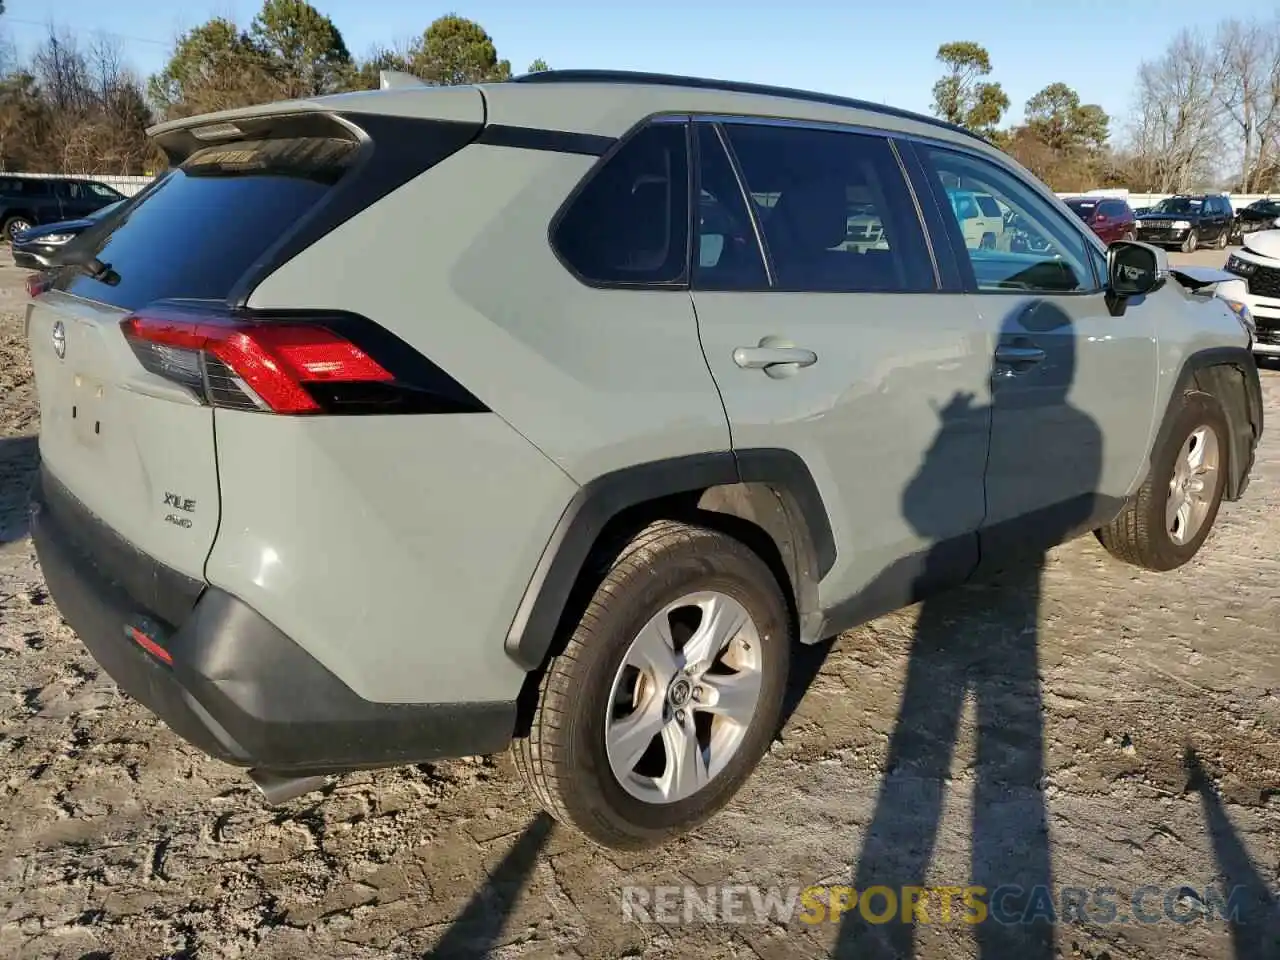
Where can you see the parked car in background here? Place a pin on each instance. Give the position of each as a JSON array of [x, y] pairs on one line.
[[1110, 218], [36, 248], [1257, 264], [26, 202], [1188, 221], [981, 220], [1259, 215]]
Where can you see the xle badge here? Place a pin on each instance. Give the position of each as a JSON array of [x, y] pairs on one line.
[[180, 503]]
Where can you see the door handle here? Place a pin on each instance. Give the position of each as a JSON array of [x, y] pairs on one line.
[[1018, 355], [776, 357]]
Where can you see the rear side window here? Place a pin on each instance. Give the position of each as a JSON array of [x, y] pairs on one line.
[[840, 216], [196, 232], [629, 223]]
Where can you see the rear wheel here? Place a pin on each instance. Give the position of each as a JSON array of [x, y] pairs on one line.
[[667, 693], [1164, 524], [1223, 237], [1191, 242]]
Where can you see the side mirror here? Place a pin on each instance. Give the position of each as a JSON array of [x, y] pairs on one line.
[[1134, 269]]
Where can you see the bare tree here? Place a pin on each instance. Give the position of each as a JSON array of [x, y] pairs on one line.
[[1177, 121], [1248, 54]]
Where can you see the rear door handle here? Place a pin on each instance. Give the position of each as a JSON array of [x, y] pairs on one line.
[[1018, 355], [777, 358]]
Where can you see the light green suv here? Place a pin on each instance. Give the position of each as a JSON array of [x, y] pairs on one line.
[[424, 422]]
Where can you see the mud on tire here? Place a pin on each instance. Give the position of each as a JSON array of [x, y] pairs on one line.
[[564, 757], [1142, 534]]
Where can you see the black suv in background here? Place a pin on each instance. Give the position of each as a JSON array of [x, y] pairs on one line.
[[1259, 215], [28, 201], [1188, 221]]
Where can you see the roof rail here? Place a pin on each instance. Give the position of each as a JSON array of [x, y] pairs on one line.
[[733, 86]]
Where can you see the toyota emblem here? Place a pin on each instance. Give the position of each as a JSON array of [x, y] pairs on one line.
[[59, 339]]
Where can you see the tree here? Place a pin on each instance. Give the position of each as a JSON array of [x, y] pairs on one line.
[[538, 66], [1066, 126], [961, 96], [368, 75], [214, 66], [307, 51], [456, 50], [1175, 143]]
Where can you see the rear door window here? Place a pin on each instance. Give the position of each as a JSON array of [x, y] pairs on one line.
[[629, 223], [840, 215], [197, 232]]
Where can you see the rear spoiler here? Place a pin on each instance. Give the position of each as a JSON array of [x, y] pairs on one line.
[[340, 115]]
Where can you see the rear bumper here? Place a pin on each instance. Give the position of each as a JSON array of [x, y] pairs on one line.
[[237, 688]]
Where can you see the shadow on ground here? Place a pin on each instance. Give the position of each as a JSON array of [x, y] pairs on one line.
[[19, 457]]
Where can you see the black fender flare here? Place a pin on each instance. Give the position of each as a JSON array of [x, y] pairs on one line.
[[772, 488], [1209, 370]]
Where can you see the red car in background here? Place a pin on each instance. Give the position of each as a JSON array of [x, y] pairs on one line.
[[1109, 218]]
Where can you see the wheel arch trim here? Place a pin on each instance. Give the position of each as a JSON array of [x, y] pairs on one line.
[[601, 500], [1204, 370]]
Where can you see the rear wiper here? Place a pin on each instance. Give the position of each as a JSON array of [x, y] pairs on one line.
[[91, 266]]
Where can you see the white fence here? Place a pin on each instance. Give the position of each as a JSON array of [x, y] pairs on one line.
[[131, 185], [126, 185]]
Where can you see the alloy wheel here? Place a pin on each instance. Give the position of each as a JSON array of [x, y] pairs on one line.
[[1192, 486], [684, 697]]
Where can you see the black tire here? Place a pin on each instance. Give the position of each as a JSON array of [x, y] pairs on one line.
[[1222, 240], [563, 757], [15, 225], [1139, 535], [988, 242], [1191, 242]]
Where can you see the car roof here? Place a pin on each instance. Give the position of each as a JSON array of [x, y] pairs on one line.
[[662, 80]]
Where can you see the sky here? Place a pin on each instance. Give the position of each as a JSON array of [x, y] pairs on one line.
[[880, 51]]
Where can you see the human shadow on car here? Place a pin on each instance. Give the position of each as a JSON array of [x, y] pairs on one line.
[[1254, 910], [475, 932], [978, 642]]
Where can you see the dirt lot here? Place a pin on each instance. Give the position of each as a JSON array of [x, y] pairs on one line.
[[117, 840]]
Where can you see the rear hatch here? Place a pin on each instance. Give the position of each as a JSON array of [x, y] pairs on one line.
[[130, 340]]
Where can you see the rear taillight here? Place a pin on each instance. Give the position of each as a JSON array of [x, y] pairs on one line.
[[37, 283], [272, 365]]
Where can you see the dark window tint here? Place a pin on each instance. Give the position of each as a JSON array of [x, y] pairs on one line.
[[1038, 249], [836, 212], [196, 233], [630, 221], [727, 256], [987, 205]]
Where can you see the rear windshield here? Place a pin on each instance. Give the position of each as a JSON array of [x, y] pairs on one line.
[[197, 231], [1179, 205], [987, 205]]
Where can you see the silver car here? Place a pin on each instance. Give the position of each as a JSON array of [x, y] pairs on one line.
[[426, 422]]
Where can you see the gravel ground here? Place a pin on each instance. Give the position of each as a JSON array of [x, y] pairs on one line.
[[1124, 732]]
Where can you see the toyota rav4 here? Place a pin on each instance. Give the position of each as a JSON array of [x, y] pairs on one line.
[[453, 429]]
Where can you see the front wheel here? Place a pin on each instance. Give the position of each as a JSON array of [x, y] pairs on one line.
[[1191, 242], [667, 693], [14, 226], [1165, 523]]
